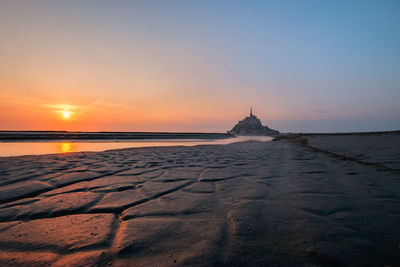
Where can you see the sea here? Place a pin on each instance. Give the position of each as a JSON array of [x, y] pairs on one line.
[[39, 143]]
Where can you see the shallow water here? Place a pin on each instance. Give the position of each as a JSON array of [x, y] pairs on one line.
[[39, 148]]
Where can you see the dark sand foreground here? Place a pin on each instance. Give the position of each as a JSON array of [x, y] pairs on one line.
[[314, 200]]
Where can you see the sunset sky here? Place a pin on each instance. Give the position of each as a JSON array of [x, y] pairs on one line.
[[310, 66]]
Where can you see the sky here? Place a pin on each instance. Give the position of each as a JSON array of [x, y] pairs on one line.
[[198, 66]]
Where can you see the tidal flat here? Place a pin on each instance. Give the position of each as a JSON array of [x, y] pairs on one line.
[[315, 200]]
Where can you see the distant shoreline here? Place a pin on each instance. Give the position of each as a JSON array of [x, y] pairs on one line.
[[352, 133], [9, 136], [296, 135], [64, 135]]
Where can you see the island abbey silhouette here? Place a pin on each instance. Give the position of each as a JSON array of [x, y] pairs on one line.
[[251, 125]]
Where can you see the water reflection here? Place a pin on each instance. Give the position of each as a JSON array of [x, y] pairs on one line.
[[65, 147], [39, 148]]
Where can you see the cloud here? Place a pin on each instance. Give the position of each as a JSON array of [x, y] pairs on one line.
[[75, 110], [57, 108]]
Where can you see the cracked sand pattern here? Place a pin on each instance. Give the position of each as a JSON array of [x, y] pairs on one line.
[[258, 203]]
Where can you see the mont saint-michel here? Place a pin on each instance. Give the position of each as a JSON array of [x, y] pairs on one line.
[[251, 125]]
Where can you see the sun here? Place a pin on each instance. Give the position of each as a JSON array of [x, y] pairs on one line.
[[66, 114]]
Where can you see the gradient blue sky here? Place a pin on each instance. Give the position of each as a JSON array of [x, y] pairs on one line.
[[310, 66]]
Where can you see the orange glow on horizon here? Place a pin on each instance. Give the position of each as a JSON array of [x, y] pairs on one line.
[[79, 113]]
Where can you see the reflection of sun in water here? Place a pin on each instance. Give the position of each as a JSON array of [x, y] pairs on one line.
[[65, 147], [66, 114]]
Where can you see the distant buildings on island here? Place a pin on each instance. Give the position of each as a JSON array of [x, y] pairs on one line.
[[252, 125]]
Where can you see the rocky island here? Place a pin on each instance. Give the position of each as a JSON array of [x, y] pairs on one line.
[[252, 125]]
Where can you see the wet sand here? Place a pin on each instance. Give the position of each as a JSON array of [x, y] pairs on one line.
[[310, 200]]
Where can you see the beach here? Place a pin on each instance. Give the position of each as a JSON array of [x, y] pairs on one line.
[[310, 200]]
